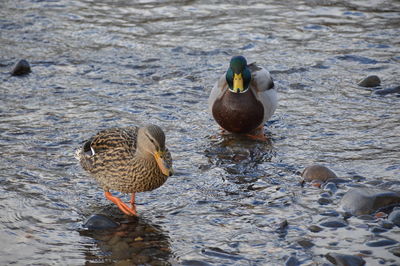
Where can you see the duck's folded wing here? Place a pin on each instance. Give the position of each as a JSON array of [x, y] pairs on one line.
[[220, 86], [107, 148], [261, 78], [113, 138]]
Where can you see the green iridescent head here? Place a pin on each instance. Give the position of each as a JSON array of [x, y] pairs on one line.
[[238, 75]]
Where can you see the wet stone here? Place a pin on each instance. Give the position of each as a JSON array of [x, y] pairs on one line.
[[395, 251], [366, 217], [370, 82], [330, 187], [394, 217], [325, 195], [99, 222], [324, 201], [366, 252], [360, 201], [21, 68], [388, 91], [318, 173], [292, 261], [380, 215], [344, 260], [283, 225], [378, 230], [381, 243], [315, 228], [305, 243], [334, 223], [386, 224]]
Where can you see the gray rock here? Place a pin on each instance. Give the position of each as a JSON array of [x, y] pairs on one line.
[[330, 187], [21, 68], [315, 228], [359, 201], [344, 260], [388, 91], [317, 172], [378, 230], [292, 261], [324, 201], [370, 82], [305, 243], [394, 217], [395, 251], [386, 224], [333, 223], [99, 222], [381, 243]]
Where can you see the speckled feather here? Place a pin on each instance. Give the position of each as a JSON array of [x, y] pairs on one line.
[[115, 165]]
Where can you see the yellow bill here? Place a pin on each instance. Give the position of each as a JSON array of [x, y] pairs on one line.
[[238, 83], [162, 164]]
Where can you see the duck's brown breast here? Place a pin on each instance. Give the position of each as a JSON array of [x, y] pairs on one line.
[[238, 112]]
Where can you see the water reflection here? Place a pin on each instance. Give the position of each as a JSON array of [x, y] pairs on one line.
[[135, 241], [238, 155]]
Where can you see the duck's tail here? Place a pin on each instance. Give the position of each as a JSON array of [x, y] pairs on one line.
[[78, 154]]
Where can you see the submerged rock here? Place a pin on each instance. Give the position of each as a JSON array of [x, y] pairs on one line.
[[315, 228], [318, 173], [345, 260], [99, 222], [370, 82], [395, 251], [381, 243], [331, 187], [394, 217], [292, 261], [361, 201], [21, 68], [388, 91], [305, 243], [334, 223]]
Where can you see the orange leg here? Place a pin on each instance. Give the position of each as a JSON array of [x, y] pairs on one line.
[[133, 202], [258, 134], [121, 205]]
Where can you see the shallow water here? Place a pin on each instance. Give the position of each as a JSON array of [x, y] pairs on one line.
[[99, 64]]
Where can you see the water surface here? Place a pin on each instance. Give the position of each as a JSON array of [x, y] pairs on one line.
[[100, 64]]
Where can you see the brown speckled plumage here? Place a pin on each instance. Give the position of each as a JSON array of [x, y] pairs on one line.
[[113, 159]]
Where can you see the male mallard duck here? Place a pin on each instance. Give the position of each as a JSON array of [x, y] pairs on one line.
[[244, 98], [128, 160]]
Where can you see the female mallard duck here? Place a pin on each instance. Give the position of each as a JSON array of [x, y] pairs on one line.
[[244, 98], [128, 160]]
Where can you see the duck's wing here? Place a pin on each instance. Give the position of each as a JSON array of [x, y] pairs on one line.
[[261, 79], [219, 87], [264, 88], [111, 139], [118, 143]]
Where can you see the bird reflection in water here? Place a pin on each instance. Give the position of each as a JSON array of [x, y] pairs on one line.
[[132, 241], [239, 156]]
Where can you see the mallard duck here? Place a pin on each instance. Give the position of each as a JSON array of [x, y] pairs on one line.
[[128, 160], [244, 98]]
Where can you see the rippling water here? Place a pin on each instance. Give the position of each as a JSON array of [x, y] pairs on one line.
[[99, 64]]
